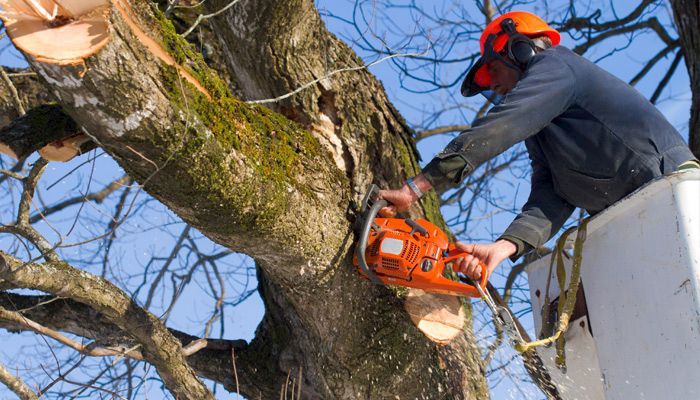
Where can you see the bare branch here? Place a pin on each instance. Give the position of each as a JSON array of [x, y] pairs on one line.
[[88, 350], [97, 197], [15, 384], [161, 349], [202, 17], [337, 71], [653, 62], [13, 91], [443, 129], [667, 77]]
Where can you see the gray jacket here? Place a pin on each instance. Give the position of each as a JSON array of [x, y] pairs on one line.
[[592, 139]]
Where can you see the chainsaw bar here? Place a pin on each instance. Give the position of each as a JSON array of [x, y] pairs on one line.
[[503, 318]]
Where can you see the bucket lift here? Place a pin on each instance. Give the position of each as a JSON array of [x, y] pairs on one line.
[[635, 331]]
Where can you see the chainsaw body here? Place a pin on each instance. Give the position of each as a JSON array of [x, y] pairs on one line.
[[409, 253]]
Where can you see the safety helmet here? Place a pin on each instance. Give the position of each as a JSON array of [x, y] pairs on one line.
[[508, 35]]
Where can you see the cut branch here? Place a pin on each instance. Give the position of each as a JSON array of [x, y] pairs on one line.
[[44, 127]]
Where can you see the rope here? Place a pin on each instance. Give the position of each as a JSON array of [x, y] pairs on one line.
[[567, 299]]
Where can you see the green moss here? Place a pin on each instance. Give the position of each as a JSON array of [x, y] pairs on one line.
[[275, 148]]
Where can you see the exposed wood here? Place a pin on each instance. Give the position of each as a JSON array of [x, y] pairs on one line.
[[440, 317], [81, 27], [67, 149], [40, 127]]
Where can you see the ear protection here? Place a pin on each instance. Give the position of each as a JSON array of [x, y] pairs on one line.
[[520, 48]]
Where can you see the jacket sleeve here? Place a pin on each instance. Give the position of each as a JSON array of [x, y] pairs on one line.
[[543, 214], [546, 89]]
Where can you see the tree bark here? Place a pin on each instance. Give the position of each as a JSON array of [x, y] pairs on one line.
[[687, 14], [279, 191]]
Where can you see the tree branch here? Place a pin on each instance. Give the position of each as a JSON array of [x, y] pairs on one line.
[[37, 128], [15, 384], [97, 197], [420, 135], [159, 347], [13, 91], [667, 77]]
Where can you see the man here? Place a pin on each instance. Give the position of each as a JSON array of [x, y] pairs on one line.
[[592, 139]]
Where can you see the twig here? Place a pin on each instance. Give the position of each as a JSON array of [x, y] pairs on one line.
[[667, 77], [349, 69], [235, 373], [97, 197], [13, 92], [201, 17], [11, 174], [88, 350], [13, 74], [442, 129]]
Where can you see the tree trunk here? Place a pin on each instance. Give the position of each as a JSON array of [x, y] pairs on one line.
[[279, 191], [687, 15]]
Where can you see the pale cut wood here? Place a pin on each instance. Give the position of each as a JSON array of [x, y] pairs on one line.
[[440, 317], [5, 149], [66, 149], [35, 28]]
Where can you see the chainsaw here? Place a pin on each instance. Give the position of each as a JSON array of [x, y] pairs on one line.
[[404, 252], [401, 251]]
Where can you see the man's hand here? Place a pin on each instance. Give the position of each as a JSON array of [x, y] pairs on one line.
[[491, 255], [400, 200]]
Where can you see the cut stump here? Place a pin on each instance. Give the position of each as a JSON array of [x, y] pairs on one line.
[[440, 317]]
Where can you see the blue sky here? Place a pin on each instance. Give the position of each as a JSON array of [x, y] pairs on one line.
[[155, 228]]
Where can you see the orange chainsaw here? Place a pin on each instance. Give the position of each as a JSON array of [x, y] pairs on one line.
[[405, 252]]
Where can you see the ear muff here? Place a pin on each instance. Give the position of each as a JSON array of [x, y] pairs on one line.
[[521, 51], [520, 48]]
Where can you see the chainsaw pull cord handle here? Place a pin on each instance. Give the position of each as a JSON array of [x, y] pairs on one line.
[[364, 235], [452, 256]]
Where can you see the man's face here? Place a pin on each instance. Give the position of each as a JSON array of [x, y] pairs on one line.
[[503, 78]]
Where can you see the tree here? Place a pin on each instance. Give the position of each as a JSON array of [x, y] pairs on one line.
[[257, 183], [273, 183], [685, 12]]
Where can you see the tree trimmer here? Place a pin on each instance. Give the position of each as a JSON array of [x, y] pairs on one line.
[[401, 251]]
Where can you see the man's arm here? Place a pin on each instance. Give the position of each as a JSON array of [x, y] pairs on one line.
[[543, 214], [545, 91]]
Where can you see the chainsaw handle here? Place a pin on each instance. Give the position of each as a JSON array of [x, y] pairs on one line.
[[452, 256], [364, 236]]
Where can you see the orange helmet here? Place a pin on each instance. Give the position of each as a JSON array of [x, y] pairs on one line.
[[502, 36]]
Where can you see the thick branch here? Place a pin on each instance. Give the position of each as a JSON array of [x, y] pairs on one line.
[[15, 384], [259, 365], [159, 347]]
